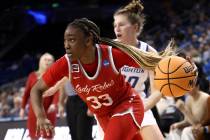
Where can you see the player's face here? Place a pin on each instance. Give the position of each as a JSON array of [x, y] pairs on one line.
[[124, 30], [74, 42], [45, 61]]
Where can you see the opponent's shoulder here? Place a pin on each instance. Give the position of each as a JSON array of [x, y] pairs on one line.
[[146, 47]]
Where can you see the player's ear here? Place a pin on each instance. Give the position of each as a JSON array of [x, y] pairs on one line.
[[89, 39], [136, 27]]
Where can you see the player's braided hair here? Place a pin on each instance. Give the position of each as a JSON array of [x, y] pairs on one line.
[[87, 27], [147, 60], [133, 11]]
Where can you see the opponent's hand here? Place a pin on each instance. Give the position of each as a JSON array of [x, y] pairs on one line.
[[44, 126], [61, 110], [195, 68], [52, 108]]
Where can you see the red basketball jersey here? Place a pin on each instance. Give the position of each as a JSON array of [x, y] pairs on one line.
[[105, 89]]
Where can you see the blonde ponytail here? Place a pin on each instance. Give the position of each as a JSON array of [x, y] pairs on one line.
[[147, 60]]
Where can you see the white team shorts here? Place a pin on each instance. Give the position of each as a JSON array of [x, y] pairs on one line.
[[148, 119]]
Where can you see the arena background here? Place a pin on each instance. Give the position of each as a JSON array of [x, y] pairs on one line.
[[29, 28]]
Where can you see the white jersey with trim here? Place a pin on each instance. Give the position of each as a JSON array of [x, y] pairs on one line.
[[137, 76]]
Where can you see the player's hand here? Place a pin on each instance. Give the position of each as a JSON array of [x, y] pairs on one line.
[[173, 126], [197, 130], [22, 113], [180, 105], [61, 110], [89, 113], [44, 126], [195, 68], [52, 108]]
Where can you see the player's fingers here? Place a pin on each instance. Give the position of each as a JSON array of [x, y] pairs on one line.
[[49, 129], [52, 130], [195, 69], [37, 130], [61, 114]]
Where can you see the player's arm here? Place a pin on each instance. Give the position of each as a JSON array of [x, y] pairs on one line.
[[36, 98], [185, 108], [55, 92], [52, 90], [206, 120], [55, 73], [155, 96], [43, 124], [180, 125], [203, 128]]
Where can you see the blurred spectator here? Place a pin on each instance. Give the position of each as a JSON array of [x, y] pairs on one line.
[[169, 114], [17, 106], [194, 113], [5, 111]]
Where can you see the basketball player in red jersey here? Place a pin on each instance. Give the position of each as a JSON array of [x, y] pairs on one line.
[[49, 103], [93, 70]]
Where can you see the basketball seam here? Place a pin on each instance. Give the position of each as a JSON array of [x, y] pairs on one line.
[[174, 77], [168, 67], [179, 86], [168, 78], [174, 85], [163, 86]]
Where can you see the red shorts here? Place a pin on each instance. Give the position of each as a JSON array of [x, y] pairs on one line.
[[124, 122]]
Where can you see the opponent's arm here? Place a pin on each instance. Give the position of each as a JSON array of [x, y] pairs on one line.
[[185, 109], [180, 125], [155, 96]]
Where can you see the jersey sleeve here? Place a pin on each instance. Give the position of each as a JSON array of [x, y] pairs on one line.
[[27, 91], [120, 59], [151, 49], [56, 72]]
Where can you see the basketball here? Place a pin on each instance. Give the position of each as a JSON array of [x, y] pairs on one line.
[[174, 76]]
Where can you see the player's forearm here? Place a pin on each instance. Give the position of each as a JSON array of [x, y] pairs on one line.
[[36, 101], [151, 101], [183, 124], [155, 96], [62, 96]]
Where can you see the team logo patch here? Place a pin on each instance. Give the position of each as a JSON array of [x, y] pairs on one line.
[[75, 68], [106, 63]]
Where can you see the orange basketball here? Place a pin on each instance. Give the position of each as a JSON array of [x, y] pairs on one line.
[[174, 76]]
